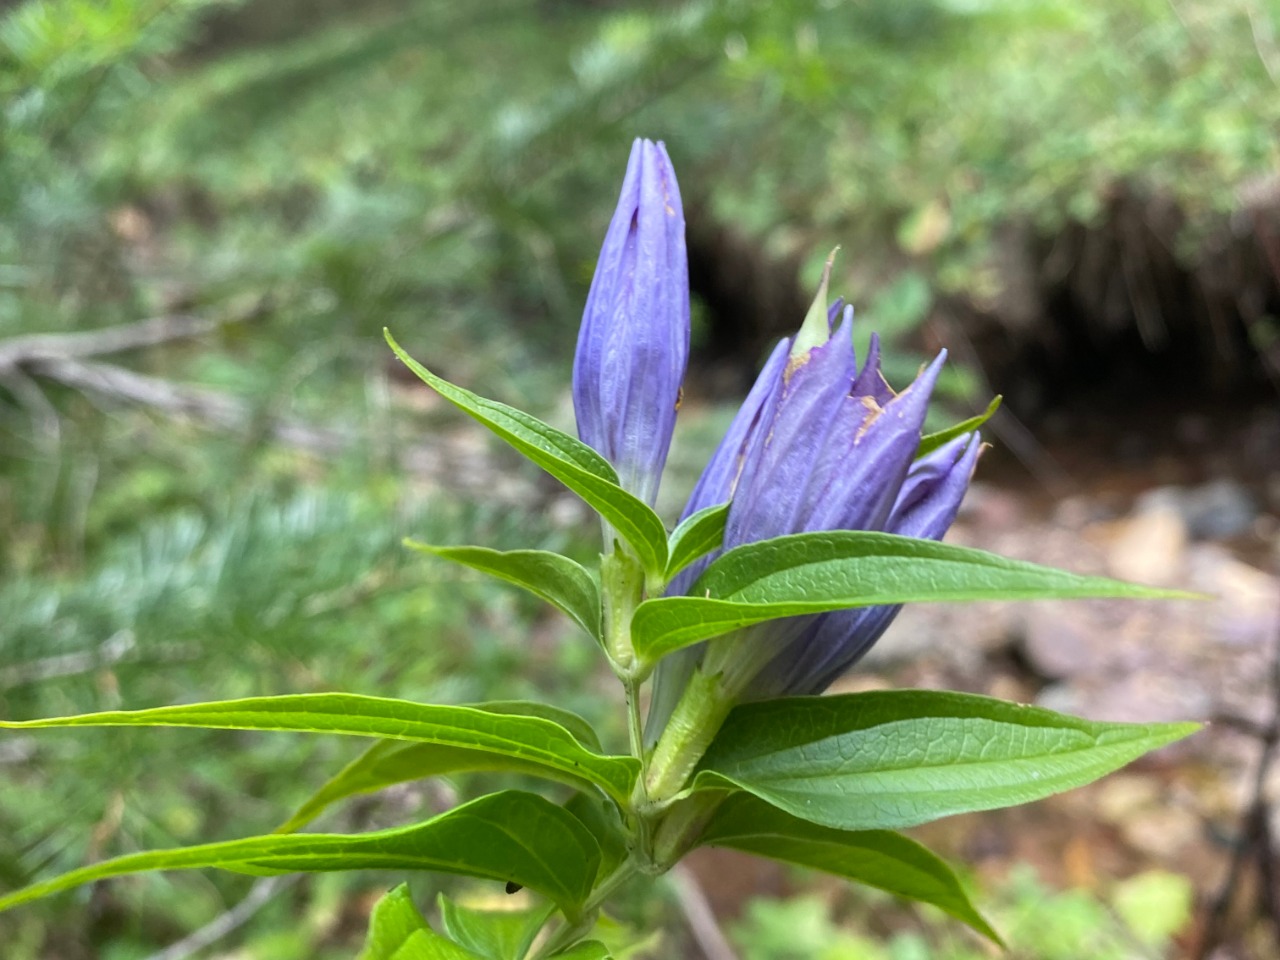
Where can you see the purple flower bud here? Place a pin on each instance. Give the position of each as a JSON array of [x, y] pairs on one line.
[[634, 341]]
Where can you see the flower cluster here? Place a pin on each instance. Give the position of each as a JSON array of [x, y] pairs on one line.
[[820, 443]]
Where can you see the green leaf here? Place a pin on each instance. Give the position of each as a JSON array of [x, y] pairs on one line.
[[389, 762], [566, 458], [696, 536], [578, 728], [398, 932], [891, 759], [587, 950], [932, 441], [429, 945], [493, 934], [511, 837], [561, 582], [817, 572], [601, 818], [491, 740], [877, 858], [393, 921]]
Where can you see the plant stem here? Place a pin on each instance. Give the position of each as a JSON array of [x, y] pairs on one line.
[[640, 800], [570, 933]]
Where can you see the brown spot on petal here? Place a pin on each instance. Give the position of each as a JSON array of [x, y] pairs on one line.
[[873, 414]]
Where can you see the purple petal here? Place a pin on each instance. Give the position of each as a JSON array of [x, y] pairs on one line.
[[829, 644], [780, 482], [930, 498], [870, 382], [865, 474]]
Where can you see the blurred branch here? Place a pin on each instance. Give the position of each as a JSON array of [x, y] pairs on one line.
[[117, 648], [43, 414], [700, 917], [64, 359], [1255, 842], [258, 896], [17, 351], [211, 407]]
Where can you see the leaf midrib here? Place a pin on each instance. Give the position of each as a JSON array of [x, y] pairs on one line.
[[923, 768]]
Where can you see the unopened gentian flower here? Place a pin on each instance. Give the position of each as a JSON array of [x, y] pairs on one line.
[[634, 341], [819, 444]]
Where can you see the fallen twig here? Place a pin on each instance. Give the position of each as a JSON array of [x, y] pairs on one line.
[[258, 896], [211, 407], [1255, 843], [18, 351], [69, 360], [699, 915], [120, 647]]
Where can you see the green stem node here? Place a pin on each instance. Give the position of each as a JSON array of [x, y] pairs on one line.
[[693, 725]]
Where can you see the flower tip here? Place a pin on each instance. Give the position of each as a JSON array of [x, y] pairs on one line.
[[928, 376], [816, 329], [634, 341]]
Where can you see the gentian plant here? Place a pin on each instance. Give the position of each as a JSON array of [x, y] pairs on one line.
[[817, 517]]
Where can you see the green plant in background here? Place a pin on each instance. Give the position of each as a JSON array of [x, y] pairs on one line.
[[1136, 919], [348, 169], [816, 518]]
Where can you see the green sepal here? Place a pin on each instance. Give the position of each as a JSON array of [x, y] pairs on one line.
[[510, 837], [566, 458], [561, 582], [932, 441], [876, 858], [890, 759], [808, 573]]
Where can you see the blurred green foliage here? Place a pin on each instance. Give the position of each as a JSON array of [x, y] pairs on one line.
[[1138, 919], [447, 170]]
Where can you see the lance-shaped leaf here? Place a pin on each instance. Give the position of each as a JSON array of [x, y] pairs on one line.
[[890, 759], [566, 458], [397, 931], [932, 441], [818, 572], [534, 744], [877, 858], [389, 762], [696, 536], [511, 837], [578, 728], [563, 583]]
